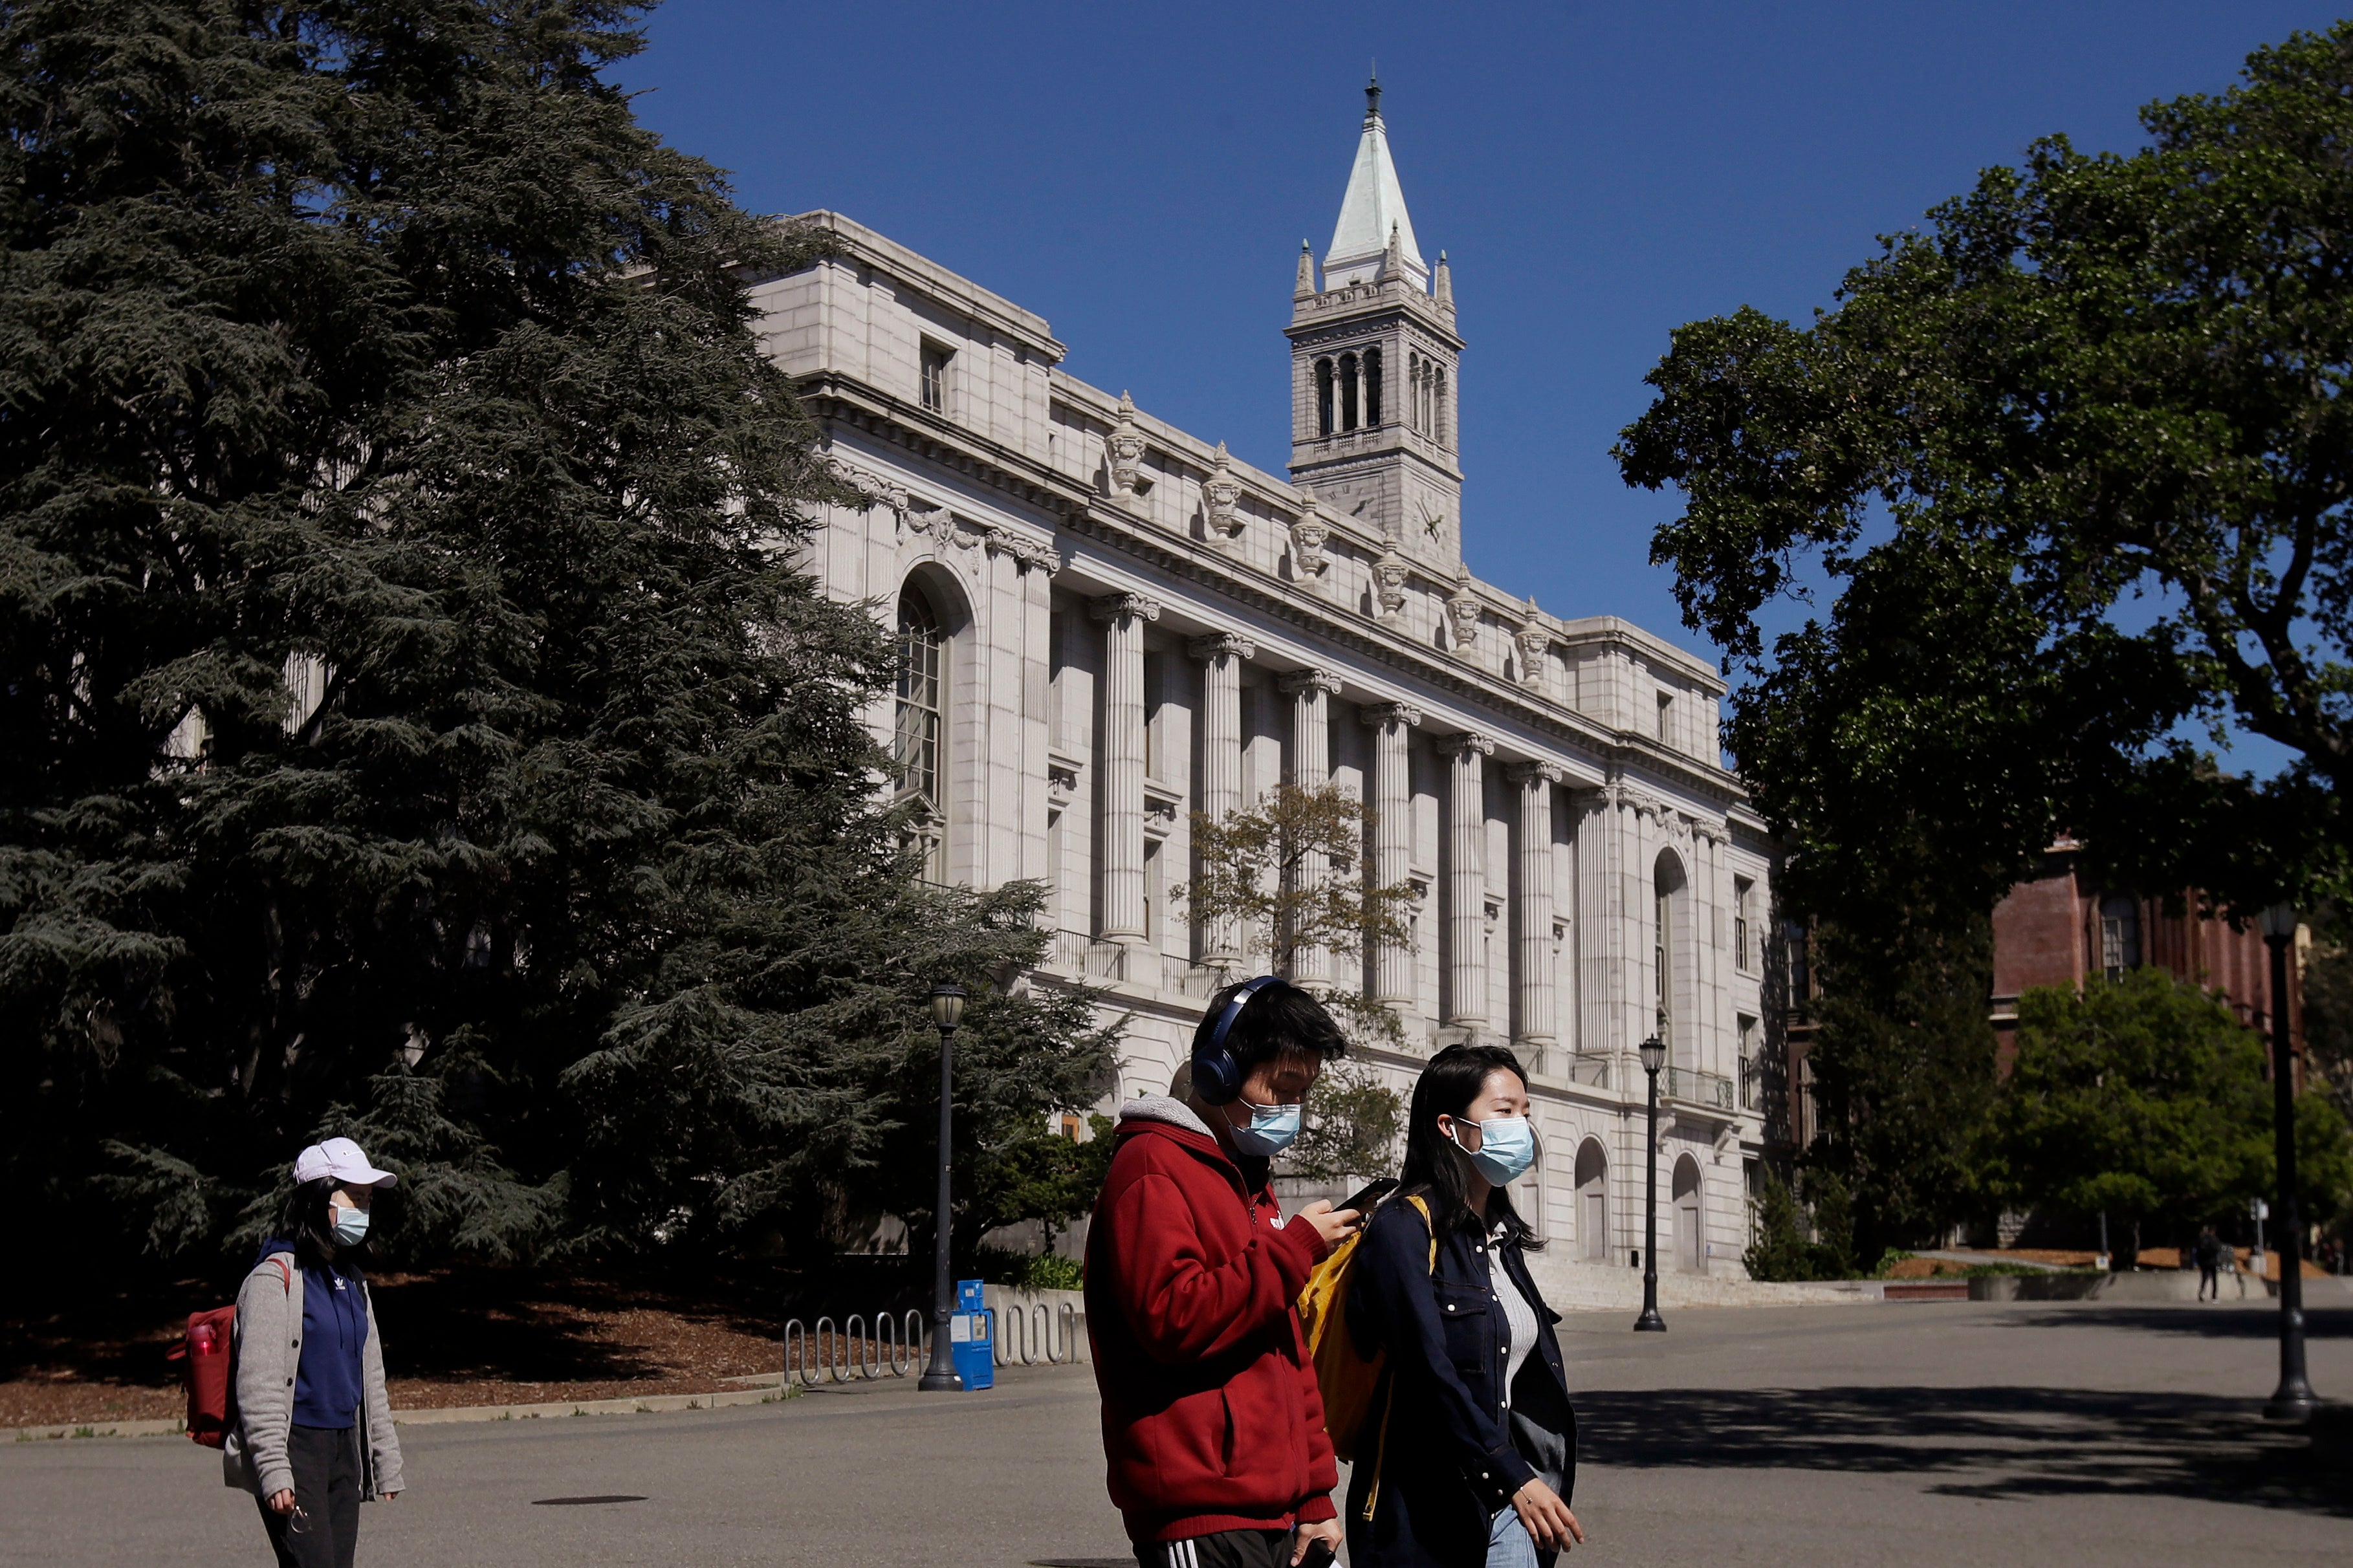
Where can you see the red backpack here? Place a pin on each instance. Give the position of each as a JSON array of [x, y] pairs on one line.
[[205, 1359]]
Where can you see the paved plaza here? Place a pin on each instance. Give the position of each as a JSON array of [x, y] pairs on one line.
[[1945, 1433]]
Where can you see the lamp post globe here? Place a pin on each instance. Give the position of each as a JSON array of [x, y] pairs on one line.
[[1653, 1053], [939, 1373], [2293, 1400]]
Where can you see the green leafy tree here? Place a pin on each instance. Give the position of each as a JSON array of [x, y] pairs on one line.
[[2073, 458], [418, 724], [1783, 1250], [1351, 1123], [1904, 1071], [2143, 1097], [1287, 876]]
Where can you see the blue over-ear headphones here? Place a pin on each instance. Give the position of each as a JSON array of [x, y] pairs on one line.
[[1217, 1077]]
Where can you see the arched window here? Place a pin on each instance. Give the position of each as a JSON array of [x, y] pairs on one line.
[[1691, 1218], [1347, 392], [1666, 888], [1438, 420], [915, 746], [1372, 387], [1592, 1201], [1323, 397]]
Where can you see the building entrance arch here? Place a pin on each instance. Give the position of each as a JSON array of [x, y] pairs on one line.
[[1691, 1217]]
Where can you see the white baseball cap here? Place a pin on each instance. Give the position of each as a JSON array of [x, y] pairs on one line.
[[339, 1158]]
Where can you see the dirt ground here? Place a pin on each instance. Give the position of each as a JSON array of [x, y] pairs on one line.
[[2150, 1258], [450, 1338]]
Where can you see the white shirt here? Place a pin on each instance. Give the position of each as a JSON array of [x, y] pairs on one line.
[[1519, 1317]]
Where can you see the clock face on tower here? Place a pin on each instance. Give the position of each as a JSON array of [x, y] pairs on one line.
[[1433, 523]]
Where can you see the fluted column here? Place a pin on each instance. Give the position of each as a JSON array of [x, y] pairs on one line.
[[1222, 656], [1121, 750], [1466, 878], [1311, 691], [1392, 836], [1600, 927], [1538, 1010]]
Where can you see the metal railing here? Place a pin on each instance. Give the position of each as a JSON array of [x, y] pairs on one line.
[[1034, 1331], [820, 1353], [1692, 1086]]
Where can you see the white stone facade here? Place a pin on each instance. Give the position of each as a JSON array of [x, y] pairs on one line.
[[1133, 626]]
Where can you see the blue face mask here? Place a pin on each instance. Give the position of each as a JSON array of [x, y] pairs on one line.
[[1508, 1147], [1271, 1128], [351, 1226]]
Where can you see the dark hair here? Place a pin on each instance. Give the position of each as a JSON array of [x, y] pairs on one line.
[[1434, 1166], [308, 1221], [1278, 1020]]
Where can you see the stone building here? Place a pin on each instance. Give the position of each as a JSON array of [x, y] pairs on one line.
[[1111, 625]]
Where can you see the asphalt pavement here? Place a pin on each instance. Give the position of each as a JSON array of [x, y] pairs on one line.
[[1929, 1433]]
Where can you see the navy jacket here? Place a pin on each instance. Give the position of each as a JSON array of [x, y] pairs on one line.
[[1452, 1455]]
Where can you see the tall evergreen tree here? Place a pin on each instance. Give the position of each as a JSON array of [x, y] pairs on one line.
[[419, 726]]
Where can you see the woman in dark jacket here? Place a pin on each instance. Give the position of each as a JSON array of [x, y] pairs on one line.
[[1469, 1451]]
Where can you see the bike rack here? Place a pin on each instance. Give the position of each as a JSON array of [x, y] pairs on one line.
[[821, 1352]]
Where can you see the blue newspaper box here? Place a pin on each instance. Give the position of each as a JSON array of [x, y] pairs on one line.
[[969, 1341]]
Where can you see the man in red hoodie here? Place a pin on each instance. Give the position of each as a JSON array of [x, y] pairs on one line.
[[1212, 1426]]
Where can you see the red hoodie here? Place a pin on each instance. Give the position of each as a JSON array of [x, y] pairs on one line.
[[1211, 1417]]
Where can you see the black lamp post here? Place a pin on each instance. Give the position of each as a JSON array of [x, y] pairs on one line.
[[2293, 1400], [1654, 1056], [948, 1012]]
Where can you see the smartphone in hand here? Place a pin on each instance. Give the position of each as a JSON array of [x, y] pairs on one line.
[[1319, 1550], [1363, 1204]]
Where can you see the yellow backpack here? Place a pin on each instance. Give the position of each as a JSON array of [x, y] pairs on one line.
[[1345, 1378]]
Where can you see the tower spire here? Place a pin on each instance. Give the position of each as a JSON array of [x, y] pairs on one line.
[[1372, 209]]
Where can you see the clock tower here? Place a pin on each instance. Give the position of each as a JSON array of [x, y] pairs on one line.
[[1372, 357]]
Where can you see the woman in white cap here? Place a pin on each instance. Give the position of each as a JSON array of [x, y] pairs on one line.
[[314, 1435]]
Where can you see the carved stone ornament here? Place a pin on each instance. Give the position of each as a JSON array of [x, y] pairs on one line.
[[1453, 746], [1221, 496], [1026, 552], [1308, 536], [1533, 642], [1124, 452], [1113, 606], [1462, 611], [1381, 715], [1526, 774], [1310, 680], [1389, 585], [1218, 644]]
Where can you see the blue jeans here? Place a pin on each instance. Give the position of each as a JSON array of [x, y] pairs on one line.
[[1508, 1545]]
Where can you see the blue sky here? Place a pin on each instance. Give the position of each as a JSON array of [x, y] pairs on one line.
[[1143, 176]]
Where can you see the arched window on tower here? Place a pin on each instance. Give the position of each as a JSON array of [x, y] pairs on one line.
[[1323, 397], [1439, 422], [1347, 392], [1372, 387], [915, 747]]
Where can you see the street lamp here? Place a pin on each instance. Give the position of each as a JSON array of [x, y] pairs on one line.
[[2293, 1400], [1654, 1056], [948, 1012]]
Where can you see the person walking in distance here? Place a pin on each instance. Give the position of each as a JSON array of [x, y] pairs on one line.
[[2208, 1253], [1468, 1457], [313, 1435], [1213, 1430]]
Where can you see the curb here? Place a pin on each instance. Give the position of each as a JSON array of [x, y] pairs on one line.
[[771, 1389]]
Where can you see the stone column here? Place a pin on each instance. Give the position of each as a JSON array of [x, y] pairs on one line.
[[1392, 836], [1466, 880], [1122, 750], [1222, 654], [1600, 930], [1311, 691], [1538, 1015]]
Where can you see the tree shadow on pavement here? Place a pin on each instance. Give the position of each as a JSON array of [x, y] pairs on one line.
[[1989, 1442], [2227, 1323]]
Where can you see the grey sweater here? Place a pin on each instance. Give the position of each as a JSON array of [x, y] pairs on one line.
[[268, 1346]]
